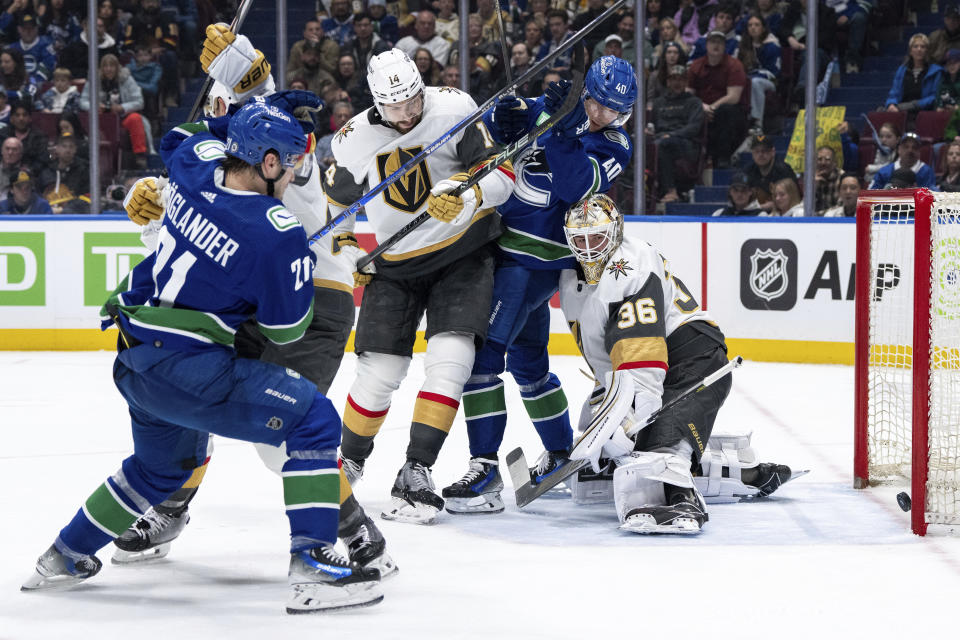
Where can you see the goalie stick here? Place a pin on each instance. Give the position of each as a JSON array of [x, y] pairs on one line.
[[238, 20], [466, 122], [526, 491], [512, 151]]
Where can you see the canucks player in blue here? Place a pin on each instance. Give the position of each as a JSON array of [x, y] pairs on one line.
[[579, 156], [227, 249]]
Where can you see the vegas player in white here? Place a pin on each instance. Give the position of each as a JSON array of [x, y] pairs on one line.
[[646, 340], [443, 269]]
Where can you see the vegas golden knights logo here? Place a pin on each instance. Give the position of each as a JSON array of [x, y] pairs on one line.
[[411, 191]]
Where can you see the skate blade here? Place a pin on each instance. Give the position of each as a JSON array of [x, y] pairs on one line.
[[402, 511], [559, 492], [645, 524], [385, 565], [327, 598], [488, 503], [122, 557], [38, 582]]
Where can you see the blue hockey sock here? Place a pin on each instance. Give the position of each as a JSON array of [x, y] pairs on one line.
[[546, 405], [311, 492], [485, 410]]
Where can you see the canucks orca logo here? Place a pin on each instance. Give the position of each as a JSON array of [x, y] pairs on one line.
[[534, 180], [411, 191]]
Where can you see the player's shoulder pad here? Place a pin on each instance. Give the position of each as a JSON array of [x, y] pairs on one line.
[[348, 145], [617, 136], [631, 264], [277, 215], [447, 102]]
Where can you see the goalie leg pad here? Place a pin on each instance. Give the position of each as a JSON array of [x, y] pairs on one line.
[[724, 460], [641, 484], [588, 487]]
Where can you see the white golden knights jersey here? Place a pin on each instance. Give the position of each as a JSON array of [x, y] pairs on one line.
[[625, 321], [367, 151]]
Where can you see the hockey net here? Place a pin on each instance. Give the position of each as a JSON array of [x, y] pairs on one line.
[[907, 417]]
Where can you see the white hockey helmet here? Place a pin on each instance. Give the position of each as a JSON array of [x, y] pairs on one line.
[[594, 230], [218, 91], [394, 78]]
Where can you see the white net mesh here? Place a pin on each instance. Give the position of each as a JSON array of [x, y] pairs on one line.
[[890, 376]]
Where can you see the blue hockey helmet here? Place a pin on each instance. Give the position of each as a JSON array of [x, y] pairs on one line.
[[612, 82], [257, 128]]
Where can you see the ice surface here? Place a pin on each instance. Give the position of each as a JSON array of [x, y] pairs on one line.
[[816, 558]]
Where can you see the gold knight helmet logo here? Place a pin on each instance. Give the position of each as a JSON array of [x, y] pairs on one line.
[[410, 191]]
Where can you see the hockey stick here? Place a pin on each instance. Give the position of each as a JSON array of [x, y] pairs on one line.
[[509, 153], [466, 122], [526, 491], [238, 20], [503, 47]]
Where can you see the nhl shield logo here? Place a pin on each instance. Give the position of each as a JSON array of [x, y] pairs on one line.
[[768, 274]]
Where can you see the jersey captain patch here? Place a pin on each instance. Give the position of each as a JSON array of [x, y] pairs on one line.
[[411, 191], [619, 268]]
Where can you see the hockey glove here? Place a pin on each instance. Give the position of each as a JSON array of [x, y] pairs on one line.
[[143, 202], [449, 208], [575, 123], [346, 244], [232, 60], [509, 118]]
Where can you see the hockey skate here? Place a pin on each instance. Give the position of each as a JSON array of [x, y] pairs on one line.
[[323, 580], [478, 491], [149, 538], [767, 477], [353, 469], [684, 512], [547, 464], [58, 569], [367, 548], [414, 496]]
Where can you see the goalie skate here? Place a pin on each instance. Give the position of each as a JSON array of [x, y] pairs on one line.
[[684, 515], [149, 538], [61, 570], [367, 548], [767, 477], [478, 491], [414, 499], [323, 581]]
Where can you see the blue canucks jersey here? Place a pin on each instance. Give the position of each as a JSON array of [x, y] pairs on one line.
[[551, 175], [39, 58], [222, 255]]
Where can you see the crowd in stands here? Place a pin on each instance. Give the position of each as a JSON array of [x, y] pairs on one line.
[[721, 76]]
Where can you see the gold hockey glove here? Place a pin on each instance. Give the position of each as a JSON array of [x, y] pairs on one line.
[[143, 202], [453, 209]]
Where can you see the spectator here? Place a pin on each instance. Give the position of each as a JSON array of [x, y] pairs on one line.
[[625, 33], [533, 37], [902, 179], [723, 21], [852, 18], [313, 35], [111, 22], [793, 33], [769, 10], [67, 174], [536, 10], [346, 76], [448, 22], [474, 38], [120, 94], [909, 152], [58, 23], [677, 123], [689, 18], [826, 181], [34, 141], [760, 56], [850, 143], [558, 23], [916, 84], [385, 24], [613, 46], [366, 43], [594, 9], [949, 95], [39, 56], [888, 137], [146, 73], [490, 29], [342, 112], [656, 12], [69, 123], [766, 169], [22, 199], [297, 84], [657, 82], [787, 202], [451, 76], [520, 63], [425, 35], [74, 55], [482, 76], [14, 78], [158, 30], [942, 40], [339, 25], [740, 200], [429, 70], [548, 77], [4, 114], [718, 80], [950, 180], [11, 161], [309, 69], [847, 194], [668, 35], [62, 95]]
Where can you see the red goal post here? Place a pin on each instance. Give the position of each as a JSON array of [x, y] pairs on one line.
[[907, 349]]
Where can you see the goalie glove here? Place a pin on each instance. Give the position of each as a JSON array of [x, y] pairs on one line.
[[346, 245], [453, 209], [143, 202], [231, 60]]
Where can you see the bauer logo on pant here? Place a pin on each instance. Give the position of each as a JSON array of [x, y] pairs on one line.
[[768, 274]]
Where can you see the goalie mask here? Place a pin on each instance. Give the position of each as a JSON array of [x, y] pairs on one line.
[[397, 88], [594, 230]]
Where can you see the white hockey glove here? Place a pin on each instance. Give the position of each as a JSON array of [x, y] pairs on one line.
[[143, 202], [346, 244], [453, 209], [231, 60]]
